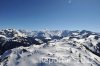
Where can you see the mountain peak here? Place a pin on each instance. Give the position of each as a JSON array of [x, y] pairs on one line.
[[39, 48]]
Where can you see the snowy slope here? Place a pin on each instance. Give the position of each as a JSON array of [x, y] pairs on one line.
[[51, 48]]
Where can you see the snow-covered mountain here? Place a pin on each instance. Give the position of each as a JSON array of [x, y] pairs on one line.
[[49, 48]]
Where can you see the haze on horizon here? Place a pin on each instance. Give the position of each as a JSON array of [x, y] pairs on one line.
[[50, 14]]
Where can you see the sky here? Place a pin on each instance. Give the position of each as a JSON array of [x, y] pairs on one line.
[[50, 14]]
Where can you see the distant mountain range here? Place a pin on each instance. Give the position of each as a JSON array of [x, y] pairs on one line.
[[32, 48]]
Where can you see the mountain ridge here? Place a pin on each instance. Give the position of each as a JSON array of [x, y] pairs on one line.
[[39, 45]]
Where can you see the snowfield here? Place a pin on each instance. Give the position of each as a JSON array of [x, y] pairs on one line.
[[49, 48]]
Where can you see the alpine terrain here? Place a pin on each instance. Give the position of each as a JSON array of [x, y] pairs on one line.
[[49, 48]]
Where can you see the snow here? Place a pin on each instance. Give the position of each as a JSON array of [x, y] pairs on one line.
[[59, 52], [56, 52], [2, 36]]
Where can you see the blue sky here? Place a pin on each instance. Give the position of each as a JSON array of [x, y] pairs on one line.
[[50, 14]]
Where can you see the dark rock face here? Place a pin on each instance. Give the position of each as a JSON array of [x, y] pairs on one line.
[[98, 48], [96, 37], [93, 49], [2, 40], [56, 37], [20, 41], [94, 52]]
